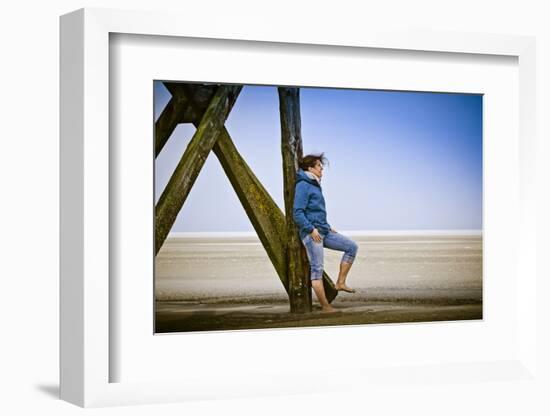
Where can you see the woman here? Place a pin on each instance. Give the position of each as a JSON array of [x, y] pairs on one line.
[[311, 218]]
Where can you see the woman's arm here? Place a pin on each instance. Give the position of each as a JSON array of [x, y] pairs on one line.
[[301, 199]]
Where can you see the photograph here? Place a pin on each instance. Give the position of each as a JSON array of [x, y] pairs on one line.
[[283, 206]]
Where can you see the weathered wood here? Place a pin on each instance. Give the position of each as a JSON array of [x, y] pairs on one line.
[[178, 111], [265, 215], [168, 120], [199, 95], [267, 218], [299, 292], [185, 174]]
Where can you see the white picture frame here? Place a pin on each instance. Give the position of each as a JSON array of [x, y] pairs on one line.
[[85, 355]]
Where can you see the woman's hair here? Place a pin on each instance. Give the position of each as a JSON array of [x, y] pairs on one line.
[[309, 161]]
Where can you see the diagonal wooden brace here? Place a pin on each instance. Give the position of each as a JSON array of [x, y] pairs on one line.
[[187, 171], [178, 111], [264, 214], [173, 114]]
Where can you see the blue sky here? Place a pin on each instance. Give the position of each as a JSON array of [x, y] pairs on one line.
[[397, 160]]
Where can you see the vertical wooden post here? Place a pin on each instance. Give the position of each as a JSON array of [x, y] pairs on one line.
[[291, 147]]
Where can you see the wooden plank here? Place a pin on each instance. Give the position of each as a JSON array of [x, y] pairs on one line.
[[187, 171], [299, 292]]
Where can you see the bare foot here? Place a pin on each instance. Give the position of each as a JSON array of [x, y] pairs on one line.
[[328, 309], [344, 288]]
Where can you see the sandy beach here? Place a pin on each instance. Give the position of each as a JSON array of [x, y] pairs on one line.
[[206, 283]]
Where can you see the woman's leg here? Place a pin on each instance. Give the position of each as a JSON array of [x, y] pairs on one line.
[[337, 241], [342, 275], [315, 256], [319, 290]]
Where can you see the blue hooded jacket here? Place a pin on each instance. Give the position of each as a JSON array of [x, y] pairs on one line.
[[309, 206]]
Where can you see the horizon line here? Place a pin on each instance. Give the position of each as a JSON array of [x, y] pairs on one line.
[[221, 234]]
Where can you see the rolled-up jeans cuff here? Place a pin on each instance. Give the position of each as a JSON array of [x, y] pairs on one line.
[[347, 258], [316, 276]]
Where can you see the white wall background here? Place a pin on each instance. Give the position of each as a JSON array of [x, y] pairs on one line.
[[29, 171]]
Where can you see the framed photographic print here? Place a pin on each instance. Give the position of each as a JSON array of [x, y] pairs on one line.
[[192, 218], [404, 183]]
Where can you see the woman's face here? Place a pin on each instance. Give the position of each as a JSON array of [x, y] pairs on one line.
[[317, 169]]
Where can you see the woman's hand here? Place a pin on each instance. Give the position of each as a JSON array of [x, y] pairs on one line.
[[315, 235], [333, 230]]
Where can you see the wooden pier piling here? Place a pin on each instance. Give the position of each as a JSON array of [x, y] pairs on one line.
[[207, 107]]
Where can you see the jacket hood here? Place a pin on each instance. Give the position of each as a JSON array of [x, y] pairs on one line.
[[301, 176]]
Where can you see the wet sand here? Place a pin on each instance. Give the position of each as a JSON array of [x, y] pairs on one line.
[[206, 284]]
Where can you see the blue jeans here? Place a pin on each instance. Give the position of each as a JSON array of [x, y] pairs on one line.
[[332, 240]]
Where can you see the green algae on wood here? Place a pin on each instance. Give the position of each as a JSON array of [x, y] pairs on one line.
[[299, 292], [190, 164], [265, 215]]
